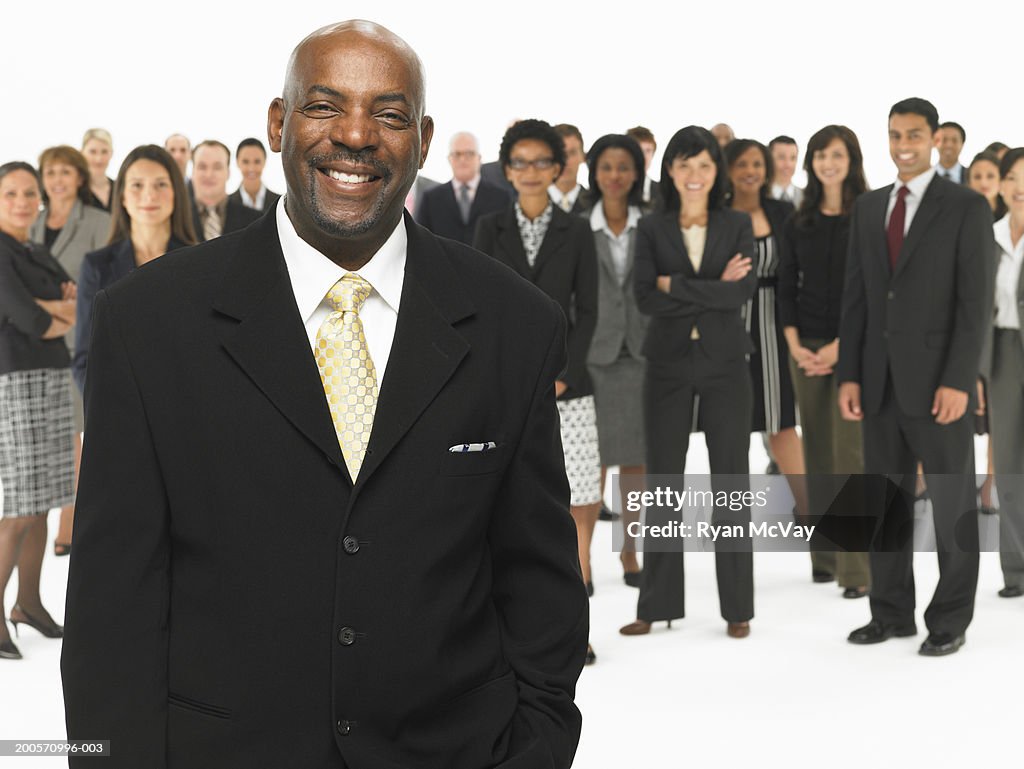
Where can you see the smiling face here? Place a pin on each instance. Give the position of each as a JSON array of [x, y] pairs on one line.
[[352, 133], [693, 177], [950, 146], [615, 173], [251, 162], [910, 144], [1012, 190], [984, 178], [61, 182], [210, 174], [832, 164], [531, 181], [97, 152], [148, 193], [19, 203], [748, 173]]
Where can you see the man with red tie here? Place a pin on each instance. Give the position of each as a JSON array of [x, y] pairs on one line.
[[916, 303]]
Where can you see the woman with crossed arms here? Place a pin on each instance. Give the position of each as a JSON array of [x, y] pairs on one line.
[[693, 276]]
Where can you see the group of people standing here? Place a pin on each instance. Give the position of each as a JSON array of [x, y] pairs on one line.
[[67, 231]]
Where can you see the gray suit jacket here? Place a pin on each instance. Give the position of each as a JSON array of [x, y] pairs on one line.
[[986, 350], [87, 229], [618, 319]]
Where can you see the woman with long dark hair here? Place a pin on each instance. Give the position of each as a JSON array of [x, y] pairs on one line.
[[810, 290], [615, 360], [37, 308], [151, 216], [693, 275]]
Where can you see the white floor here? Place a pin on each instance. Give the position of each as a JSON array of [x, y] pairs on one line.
[[793, 694]]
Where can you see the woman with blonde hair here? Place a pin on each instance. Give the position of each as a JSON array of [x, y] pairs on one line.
[[98, 148]]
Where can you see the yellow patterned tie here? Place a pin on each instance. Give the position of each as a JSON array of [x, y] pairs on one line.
[[346, 369]]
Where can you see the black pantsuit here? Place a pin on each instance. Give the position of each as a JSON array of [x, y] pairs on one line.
[[713, 366]]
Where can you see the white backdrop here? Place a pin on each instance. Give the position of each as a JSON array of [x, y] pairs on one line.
[[209, 70]]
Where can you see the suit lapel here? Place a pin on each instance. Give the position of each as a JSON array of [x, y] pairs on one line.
[[553, 241], [512, 244], [714, 235], [876, 205], [670, 228], [67, 232], [426, 350], [604, 255], [269, 343], [931, 203]]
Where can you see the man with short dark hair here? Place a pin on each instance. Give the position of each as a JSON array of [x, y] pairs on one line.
[[916, 305], [452, 209], [251, 159], [784, 152], [323, 520], [567, 193], [951, 143], [213, 212], [645, 138]]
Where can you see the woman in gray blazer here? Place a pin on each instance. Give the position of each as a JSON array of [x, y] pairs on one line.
[[615, 362], [70, 229], [1004, 364]]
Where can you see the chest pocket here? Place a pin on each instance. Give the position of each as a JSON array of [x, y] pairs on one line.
[[472, 462]]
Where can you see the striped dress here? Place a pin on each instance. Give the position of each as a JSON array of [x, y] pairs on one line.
[[774, 407]]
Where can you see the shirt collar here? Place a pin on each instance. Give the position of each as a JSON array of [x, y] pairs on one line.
[[556, 194], [472, 184], [312, 274], [254, 202], [917, 185], [598, 222], [955, 174], [1001, 231]]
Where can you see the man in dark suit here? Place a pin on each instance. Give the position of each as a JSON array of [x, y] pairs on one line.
[[452, 209], [916, 306], [251, 159], [213, 211], [951, 143], [652, 191], [359, 558], [568, 194]]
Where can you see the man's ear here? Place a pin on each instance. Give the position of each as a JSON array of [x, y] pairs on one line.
[[426, 135], [275, 124]]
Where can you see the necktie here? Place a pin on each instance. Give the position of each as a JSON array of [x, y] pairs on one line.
[[346, 369], [464, 203], [566, 204], [212, 225], [894, 232]]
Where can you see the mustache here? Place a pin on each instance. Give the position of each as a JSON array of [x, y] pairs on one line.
[[363, 158]]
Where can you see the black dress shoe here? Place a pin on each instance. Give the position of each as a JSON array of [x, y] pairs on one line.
[[590, 588], [855, 592], [606, 514], [875, 632], [821, 576], [1011, 591], [8, 651], [632, 578], [941, 644]]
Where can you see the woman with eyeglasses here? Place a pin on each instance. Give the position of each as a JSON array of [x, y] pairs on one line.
[[693, 275], [152, 216], [37, 308], [555, 252]]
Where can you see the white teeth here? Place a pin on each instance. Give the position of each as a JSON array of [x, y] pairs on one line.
[[349, 178]]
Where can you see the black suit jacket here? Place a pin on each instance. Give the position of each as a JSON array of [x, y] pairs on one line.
[[233, 599], [268, 200], [923, 323], [237, 217], [698, 299], [565, 270], [439, 211], [494, 173]]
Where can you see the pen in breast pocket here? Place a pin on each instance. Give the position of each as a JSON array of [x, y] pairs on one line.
[[464, 448]]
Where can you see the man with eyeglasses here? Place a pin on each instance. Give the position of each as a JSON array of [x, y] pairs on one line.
[[451, 210]]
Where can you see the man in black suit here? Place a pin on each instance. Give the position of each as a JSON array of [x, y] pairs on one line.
[[452, 209], [652, 191], [568, 194], [213, 211], [951, 143], [359, 558], [916, 305]]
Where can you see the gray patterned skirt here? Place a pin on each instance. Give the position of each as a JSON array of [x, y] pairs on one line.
[[37, 460]]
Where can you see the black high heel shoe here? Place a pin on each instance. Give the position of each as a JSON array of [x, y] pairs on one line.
[[49, 629], [8, 651]]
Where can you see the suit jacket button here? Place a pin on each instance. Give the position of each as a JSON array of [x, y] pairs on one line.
[[351, 545], [346, 636], [344, 728]]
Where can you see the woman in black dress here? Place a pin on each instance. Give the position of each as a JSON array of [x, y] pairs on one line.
[[693, 275]]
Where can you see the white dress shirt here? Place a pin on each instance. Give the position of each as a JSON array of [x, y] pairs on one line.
[[250, 202], [472, 184], [617, 244], [312, 274], [1007, 275], [916, 187], [790, 193], [955, 174], [565, 201]]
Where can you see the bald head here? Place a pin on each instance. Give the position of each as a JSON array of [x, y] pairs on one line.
[[354, 33]]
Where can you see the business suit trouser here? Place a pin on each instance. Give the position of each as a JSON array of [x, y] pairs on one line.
[[893, 444], [1006, 425], [726, 402], [832, 446]]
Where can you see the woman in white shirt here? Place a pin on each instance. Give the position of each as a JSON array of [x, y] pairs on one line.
[[1004, 362]]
